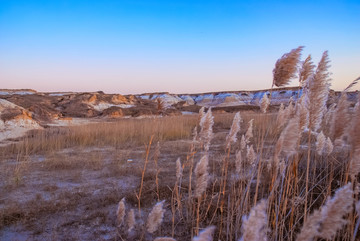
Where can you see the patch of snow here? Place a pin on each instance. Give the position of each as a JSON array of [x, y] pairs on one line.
[[188, 113], [188, 99], [16, 128], [103, 106], [56, 94], [144, 97], [167, 99], [4, 93], [23, 93]]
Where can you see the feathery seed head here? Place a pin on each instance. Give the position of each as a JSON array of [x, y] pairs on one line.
[[318, 91], [251, 155], [238, 162], [320, 143], [205, 235], [235, 128], [329, 147], [202, 176], [286, 67], [121, 211], [206, 132], [249, 132], [179, 170], [255, 226], [130, 220], [306, 70], [164, 239], [155, 217]]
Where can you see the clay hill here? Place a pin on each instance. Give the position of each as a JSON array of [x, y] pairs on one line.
[[21, 110]]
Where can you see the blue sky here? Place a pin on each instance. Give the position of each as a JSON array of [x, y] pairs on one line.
[[176, 46]]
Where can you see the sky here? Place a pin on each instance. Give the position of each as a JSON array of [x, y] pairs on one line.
[[188, 46]]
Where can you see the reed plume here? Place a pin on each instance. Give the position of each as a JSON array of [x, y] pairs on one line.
[[155, 217], [340, 117], [202, 176], [179, 170], [286, 67], [130, 220], [288, 140], [255, 226], [303, 112], [206, 132], [164, 239], [242, 142], [264, 103], [326, 222], [205, 235], [120, 213], [306, 70], [251, 155], [235, 128], [318, 91], [354, 168], [238, 162], [249, 132], [281, 118], [329, 147], [320, 143]]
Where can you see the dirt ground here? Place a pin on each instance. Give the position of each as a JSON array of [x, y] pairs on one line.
[[73, 194]]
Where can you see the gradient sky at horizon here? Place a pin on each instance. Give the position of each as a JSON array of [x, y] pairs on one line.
[[133, 46]]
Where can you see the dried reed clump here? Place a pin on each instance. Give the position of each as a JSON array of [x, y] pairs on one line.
[[255, 226], [326, 222], [205, 235], [354, 167], [242, 142], [120, 213], [318, 91], [303, 112], [202, 176], [235, 128], [306, 70], [164, 239], [249, 132], [238, 162], [206, 132], [155, 217], [329, 147], [354, 129], [288, 140], [282, 117], [251, 155], [264, 103], [340, 117], [286, 67], [311, 227], [320, 143], [130, 220], [179, 170]]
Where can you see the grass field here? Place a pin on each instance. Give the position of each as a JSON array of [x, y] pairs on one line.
[[66, 183]]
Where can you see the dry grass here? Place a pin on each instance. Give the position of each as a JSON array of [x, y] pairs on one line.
[[216, 191]]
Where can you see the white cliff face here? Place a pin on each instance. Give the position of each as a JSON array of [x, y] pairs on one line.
[[225, 99]]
